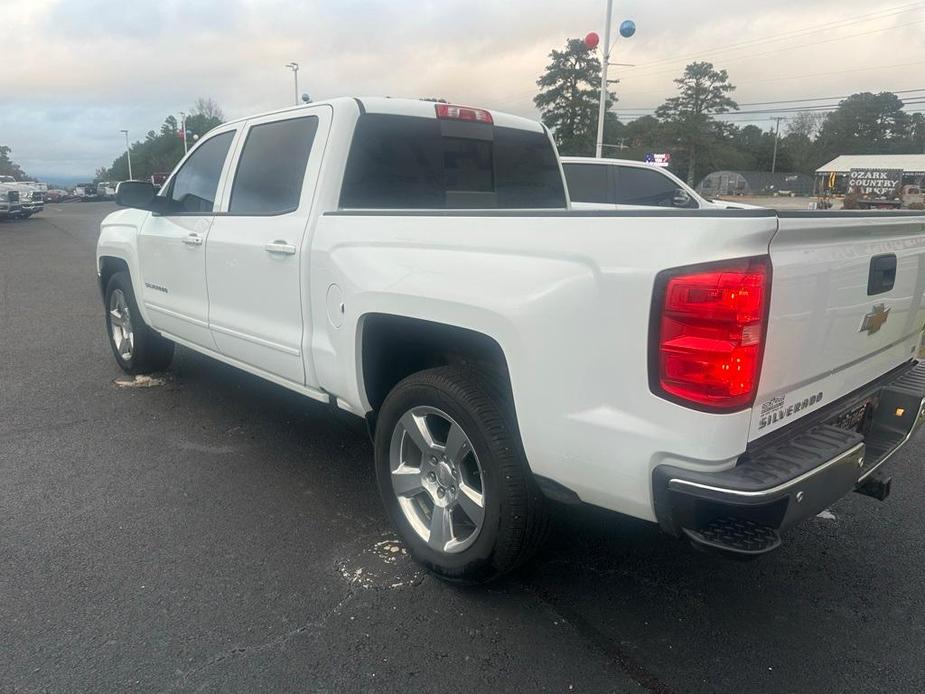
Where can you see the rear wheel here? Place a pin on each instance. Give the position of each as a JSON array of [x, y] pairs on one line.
[[453, 475], [136, 347]]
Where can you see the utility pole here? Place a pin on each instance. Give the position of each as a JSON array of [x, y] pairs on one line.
[[295, 73], [776, 138], [604, 65], [128, 154]]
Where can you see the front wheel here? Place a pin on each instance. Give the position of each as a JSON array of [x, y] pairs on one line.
[[453, 476], [136, 347]]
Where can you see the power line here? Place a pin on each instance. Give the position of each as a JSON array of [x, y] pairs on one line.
[[828, 98], [835, 72], [769, 114], [797, 109], [792, 48], [785, 101], [882, 13]]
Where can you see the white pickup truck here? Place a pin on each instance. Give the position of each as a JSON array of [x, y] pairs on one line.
[[724, 373], [10, 206], [29, 197], [624, 184]]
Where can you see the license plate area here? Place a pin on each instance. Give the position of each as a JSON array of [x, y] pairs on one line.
[[886, 420], [859, 417]]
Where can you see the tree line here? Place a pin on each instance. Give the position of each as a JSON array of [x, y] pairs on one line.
[[160, 151], [690, 124], [8, 167]]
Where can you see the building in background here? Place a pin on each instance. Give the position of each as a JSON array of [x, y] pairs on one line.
[[758, 183], [832, 178]]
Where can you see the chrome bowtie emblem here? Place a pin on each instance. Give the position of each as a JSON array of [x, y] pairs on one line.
[[874, 320]]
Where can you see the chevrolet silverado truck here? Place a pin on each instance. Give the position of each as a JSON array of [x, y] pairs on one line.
[[723, 373]]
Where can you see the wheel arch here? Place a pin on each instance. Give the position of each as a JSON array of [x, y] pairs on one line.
[[391, 347], [107, 266], [108, 263]]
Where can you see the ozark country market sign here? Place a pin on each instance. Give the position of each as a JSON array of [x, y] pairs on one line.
[[875, 181]]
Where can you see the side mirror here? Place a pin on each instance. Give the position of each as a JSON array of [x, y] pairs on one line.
[[681, 198], [140, 195]]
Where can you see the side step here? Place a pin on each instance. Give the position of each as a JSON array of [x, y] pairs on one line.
[[736, 537]]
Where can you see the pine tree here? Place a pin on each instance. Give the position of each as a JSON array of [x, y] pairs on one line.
[[569, 97], [703, 93]]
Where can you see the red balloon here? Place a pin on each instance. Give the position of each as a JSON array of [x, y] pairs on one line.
[[592, 40]]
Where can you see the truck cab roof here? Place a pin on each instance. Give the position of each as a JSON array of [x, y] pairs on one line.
[[387, 105]]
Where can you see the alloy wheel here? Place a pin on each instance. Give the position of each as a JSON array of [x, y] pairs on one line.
[[437, 479], [120, 325]]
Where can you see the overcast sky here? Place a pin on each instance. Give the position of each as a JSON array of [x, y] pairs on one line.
[[77, 71]]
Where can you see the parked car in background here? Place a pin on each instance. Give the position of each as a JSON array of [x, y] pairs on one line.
[[158, 179], [56, 195], [85, 192], [31, 196], [9, 199], [626, 184], [106, 190], [723, 373]]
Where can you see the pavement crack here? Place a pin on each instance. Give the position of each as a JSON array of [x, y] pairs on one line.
[[633, 669], [184, 678]]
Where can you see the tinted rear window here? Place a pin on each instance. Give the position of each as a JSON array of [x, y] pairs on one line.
[[588, 183], [397, 162]]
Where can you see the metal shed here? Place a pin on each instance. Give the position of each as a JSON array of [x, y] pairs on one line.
[[755, 183]]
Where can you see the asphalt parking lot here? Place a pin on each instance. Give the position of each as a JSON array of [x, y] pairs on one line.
[[214, 532]]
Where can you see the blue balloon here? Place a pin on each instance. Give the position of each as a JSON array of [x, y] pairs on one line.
[[628, 28]]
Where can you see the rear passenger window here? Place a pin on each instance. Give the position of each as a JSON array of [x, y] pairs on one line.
[[637, 186], [192, 190], [588, 183], [272, 167], [399, 162]]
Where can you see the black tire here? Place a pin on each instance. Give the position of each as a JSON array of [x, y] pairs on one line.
[[515, 519], [150, 352]]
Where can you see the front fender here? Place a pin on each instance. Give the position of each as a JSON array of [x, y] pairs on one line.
[[119, 239]]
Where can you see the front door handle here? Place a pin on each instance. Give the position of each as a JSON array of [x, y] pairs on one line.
[[193, 239], [280, 248]]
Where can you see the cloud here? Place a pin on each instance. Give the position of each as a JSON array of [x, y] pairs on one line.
[[86, 69]]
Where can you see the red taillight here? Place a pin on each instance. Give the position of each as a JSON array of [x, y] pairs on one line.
[[710, 332], [452, 112]]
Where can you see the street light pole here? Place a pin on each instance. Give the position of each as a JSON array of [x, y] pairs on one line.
[[295, 73], [604, 66], [128, 154], [183, 131], [776, 139]]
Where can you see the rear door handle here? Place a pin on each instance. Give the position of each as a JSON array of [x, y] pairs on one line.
[[280, 248], [193, 240]]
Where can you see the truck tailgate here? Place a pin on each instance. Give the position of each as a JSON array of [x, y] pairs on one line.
[[846, 307]]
